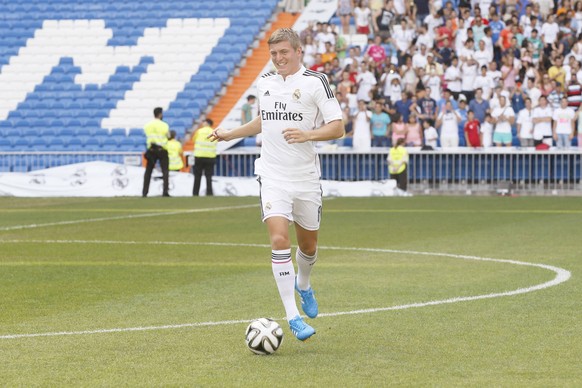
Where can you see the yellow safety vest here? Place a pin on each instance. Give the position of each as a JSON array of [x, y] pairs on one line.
[[174, 148], [156, 132], [398, 154], [204, 148]]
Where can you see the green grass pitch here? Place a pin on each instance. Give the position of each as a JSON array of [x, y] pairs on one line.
[[93, 265]]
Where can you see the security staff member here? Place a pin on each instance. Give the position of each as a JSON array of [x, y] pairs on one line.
[[204, 157], [156, 132], [174, 148], [398, 163]]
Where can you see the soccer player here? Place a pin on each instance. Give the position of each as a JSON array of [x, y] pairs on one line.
[[297, 107]]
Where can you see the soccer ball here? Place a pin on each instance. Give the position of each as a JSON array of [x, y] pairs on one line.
[[264, 336]]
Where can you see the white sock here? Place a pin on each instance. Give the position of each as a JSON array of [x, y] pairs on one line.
[[284, 274], [304, 265]]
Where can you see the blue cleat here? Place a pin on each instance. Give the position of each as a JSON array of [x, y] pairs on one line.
[[308, 302], [300, 329]]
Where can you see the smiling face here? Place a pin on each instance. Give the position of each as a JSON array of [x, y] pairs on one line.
[[286, 59], [285, 50]]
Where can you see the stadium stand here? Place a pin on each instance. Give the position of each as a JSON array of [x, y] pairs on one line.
[[89, 73]]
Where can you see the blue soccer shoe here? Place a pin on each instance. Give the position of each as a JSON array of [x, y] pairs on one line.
[[300, 329], [308, 302]]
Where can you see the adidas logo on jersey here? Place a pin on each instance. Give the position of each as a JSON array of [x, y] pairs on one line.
[[267, 93]]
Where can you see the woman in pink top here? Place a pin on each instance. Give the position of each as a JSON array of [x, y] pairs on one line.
[[508, 73], [414, 132], [399, 128]]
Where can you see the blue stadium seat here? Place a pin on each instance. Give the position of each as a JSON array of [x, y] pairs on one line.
[[20, 144], [22, 123], [11, 133], [5, 144], [118, 132], [57, 123], [39, 144], [56, 144], [29, 131], [85, 131], [92, 144], [126, 143], [47, 132], [109, 143], [4, 125], [136, 132]]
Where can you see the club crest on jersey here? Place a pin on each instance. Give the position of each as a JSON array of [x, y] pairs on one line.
[[296, 95]]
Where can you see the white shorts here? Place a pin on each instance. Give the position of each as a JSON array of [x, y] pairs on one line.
[[299, 202]]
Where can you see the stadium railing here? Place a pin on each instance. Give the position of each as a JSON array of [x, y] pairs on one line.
[[460, 170]]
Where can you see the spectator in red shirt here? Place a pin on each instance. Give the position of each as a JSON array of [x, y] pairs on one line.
[[472, 130], [477, 12], [506, 35], [318, 65], [443, 33]]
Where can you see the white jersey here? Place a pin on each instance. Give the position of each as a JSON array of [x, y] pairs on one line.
[[303, 100]]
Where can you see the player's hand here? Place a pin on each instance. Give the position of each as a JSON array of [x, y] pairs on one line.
[[217, 134], [295, 135]]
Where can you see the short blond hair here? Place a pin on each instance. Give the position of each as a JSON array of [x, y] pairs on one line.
[[285, 35]]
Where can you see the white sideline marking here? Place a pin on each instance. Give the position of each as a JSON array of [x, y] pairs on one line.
[[32, 226], [562, 276]]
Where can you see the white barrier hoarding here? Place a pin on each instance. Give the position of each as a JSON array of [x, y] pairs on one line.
[[102, 179]]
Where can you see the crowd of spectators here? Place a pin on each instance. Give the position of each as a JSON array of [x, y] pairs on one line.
[[449, 73]]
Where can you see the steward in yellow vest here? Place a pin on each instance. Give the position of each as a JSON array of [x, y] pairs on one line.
[[174, 148], [157, 133], [204, 157], [398, 164]]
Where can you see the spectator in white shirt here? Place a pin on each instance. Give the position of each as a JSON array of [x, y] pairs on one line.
[[402, 37], [564, 124], [431, 136], [549, 31], [503, 117], [434, 83], [467, 51], [525, 124], [468, 74], [542, 120], [366, 81], [452, 77], [424, 38], [324, 36], [484, 82], [493, 73], [533, 92], [448, 121], [419, 58], [362, 16], [461, 35], [482, 56]]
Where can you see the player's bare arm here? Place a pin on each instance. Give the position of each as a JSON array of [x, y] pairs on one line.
[[332, 130], [251, 128]]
